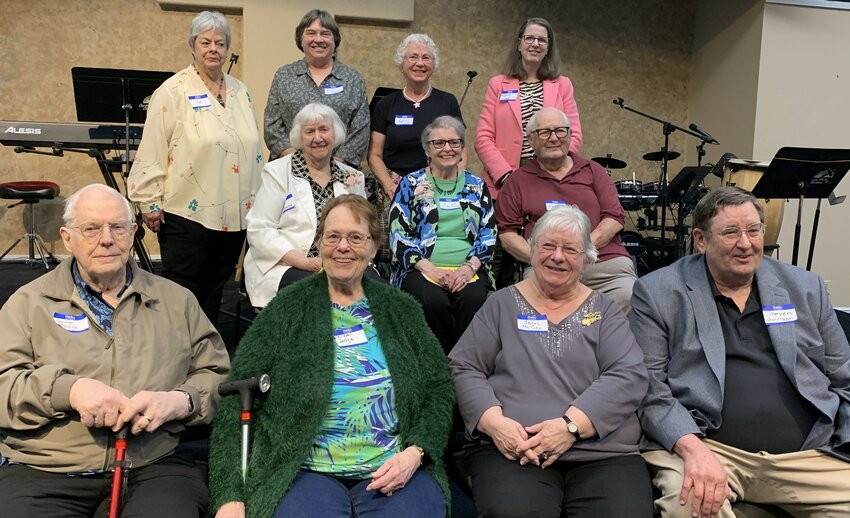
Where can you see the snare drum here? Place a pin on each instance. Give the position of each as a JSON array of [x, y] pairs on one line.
[[629, 193], [746, 174]]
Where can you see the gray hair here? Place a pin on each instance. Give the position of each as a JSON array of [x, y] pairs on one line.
[[314, 113], [421, 39], [444, 122], [206, 21], [532, 122], [327, 21], [728, 196], [566, 218], [70, 214]]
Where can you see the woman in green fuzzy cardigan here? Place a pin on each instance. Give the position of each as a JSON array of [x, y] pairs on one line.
[[361, 401]]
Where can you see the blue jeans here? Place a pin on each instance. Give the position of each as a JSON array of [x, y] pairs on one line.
[[315, 494]]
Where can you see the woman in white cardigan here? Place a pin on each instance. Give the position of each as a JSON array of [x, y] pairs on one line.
[[294, 189]]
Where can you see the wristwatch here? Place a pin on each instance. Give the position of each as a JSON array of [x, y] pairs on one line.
[[572, 427]]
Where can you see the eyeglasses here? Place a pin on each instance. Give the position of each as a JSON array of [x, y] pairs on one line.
[[568, 250], [731, 235], [92, 231], [528, 39], [354, 239], [413, 58], [545, 133], [454, 143]]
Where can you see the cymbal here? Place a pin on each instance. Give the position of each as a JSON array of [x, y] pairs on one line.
[[656, 156], [608, 162]]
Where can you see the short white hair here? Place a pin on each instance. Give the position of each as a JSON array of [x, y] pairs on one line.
[[532, 122], [70, 214], [207, 21], [421, 39], [314, 113], [571, 219]]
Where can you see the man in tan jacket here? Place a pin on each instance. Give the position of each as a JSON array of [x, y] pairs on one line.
[[89, 348]]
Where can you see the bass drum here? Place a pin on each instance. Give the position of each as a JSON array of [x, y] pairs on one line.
[[746, 174], [633, 242]]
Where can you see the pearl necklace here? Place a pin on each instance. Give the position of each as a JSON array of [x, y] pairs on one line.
[[416, 104], [220, 85]]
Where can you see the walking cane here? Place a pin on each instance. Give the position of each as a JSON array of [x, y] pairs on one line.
[[118, 473], [246, 389]]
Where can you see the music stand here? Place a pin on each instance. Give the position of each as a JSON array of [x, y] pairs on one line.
[[803, 173], [684, 189], [116, 95]]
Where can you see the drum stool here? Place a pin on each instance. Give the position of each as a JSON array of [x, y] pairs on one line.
[[30, 193]]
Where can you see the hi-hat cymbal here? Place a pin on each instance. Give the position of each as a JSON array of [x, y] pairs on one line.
[[608, 162], [656, 156]]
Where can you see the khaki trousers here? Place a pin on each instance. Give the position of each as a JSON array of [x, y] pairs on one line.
[[805, 483]]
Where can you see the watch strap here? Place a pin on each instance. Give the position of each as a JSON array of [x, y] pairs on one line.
[[571, 425]]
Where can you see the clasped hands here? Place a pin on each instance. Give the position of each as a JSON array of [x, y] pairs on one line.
[[100, 405], [540, 444], [452, 280]]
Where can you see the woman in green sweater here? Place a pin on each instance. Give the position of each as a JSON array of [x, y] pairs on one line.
[[361, 401]]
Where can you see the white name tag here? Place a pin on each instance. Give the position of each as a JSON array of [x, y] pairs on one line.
[[333, 89], [551, 204], [404, 120], [449, 203], [350, 336], [288, 204], [508, 95], [199, 101], [72, 323], [532, 323], [774, 315]]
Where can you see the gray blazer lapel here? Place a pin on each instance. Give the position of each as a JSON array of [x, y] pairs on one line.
[[783, 336], [709, 332]]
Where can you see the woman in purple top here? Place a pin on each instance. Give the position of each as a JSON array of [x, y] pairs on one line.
[[548, 376]]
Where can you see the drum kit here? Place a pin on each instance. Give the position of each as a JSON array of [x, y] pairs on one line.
[[636, 195]]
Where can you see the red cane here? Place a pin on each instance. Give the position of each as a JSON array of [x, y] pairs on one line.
[[118, 473]]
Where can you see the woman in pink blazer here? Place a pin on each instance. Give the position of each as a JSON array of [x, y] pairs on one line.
[[531, 81]]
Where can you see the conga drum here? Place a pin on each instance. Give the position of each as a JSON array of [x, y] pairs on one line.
[[746, 174]]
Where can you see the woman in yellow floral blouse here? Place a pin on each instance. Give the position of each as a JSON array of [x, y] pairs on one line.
[[198, 166]]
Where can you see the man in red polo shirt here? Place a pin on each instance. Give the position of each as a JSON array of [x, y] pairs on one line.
[[555, 176]]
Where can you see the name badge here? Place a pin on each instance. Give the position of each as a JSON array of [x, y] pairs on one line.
[[404, 120], [199, 101], [333, 89], [449, 203], [532, 324], [72, 323], [775, 315], [508, 95], [288, 204], [551, 204], [350, 336]]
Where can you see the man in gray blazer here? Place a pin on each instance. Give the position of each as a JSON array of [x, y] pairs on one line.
[[749, 374]]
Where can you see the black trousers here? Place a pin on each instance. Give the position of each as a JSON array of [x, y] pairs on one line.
[[616, 486], [448, 314], [199, 259], [173, 487]]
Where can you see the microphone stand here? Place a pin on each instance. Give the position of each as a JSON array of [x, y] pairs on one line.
[[668, 128], [233, 59], [471, 74]]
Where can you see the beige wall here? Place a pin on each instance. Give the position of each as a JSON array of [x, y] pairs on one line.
[[635, 49], [804, 82]]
